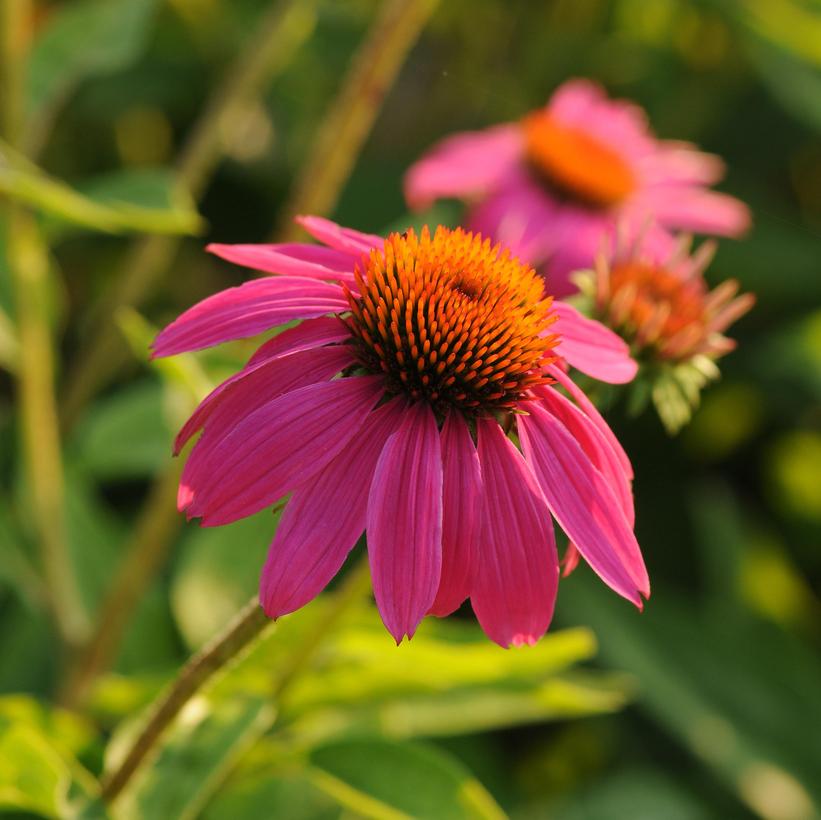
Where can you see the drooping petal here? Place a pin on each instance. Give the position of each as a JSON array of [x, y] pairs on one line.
[[405, 523], [247, 310], [460, 493], [570, 560], [290, 259], [593, 414], [594, 444], [324, 518], [304, 336], [274, 449], [464, 165], [582, 502], [342, 239], [697, 210], [517, 568], [261, 382], [591, 347]]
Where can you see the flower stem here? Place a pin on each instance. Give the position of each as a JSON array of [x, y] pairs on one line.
[[146, 551], [30, 272], [280, 32], [348, 122], [250, 622]]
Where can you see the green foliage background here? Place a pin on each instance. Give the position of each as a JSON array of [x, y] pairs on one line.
[[704, 706]]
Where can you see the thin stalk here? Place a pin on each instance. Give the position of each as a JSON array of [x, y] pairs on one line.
[[282, 30], [30, 272], [147, 550], [248, 625], [350, 119]]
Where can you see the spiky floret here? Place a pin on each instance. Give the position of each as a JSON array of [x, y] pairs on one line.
[[452, 320]]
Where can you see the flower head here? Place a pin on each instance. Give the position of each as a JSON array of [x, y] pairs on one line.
[[554, 185], [663, 308], [388, 409]]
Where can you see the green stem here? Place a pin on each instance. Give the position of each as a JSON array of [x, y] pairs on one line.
[[30, 272], [350, 119], [279, 34], [248, 625]]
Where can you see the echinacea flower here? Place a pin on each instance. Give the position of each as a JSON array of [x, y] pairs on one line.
[[663, 308], [552, 186], [389, 409]]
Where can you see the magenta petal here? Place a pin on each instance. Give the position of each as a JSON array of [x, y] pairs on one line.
[[593, 414], [595, 446], [306, 335], [464, 165], [324, 519], [591, 347], [582, 502], [247, 310], [461, 486], [405, 523], [274, 449], [517, 568], [290, 259], [342, 239], [258, 383]]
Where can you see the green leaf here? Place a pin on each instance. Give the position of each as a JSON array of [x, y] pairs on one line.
[[25, 182], [271, 793], [125, 435], [36, 777], [82, 39], [32, 776], [206, 741], [66, 732], [376, 778]]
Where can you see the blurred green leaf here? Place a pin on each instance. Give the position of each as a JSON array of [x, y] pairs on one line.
[[217, 573], [82, 39], [65, 731], [153, 190], [125, 435], [444, 683], [794, 82], [36, 777], [16, 568], [9, 344], [206, 741], [703, 680], [271, 793], [96, 537], [25, 182], [386, 780], [642, 794], [32, 776]]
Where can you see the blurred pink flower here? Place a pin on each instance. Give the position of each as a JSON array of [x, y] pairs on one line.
[[387, 409], [554, 185]]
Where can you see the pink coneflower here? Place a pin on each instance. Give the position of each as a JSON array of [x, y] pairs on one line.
[[552, 186], [664, 309], [390, 407]]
